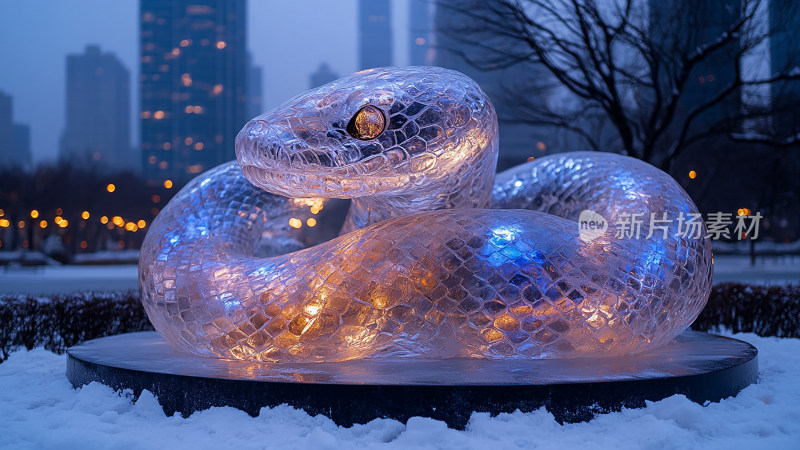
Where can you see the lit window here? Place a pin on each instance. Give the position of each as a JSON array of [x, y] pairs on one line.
[[166, 146], [217, 89], [198, 146], [419, 41], [221, 44], [185, 42], [152, 160], [111, 187], [158, 115], [188, 141], [168, 184]]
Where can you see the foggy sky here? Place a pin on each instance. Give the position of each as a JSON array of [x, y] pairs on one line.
[[288, 39]]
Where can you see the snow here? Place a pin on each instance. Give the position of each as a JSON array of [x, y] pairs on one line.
[[39, 409], [68, 279], [770, 270], [130, 256]]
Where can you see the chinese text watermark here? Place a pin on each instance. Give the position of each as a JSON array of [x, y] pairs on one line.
[[592, 225]]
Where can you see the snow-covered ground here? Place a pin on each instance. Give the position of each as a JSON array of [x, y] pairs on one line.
[[39, 409], [766, 270], [68, 279]]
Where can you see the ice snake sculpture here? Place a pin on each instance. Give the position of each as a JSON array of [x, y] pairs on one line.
[[436, 258]]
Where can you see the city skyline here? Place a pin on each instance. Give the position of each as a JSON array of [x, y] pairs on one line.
[[97, 110], [375, 34], [39, 66], [323, 75], [15, 138], [193, 85]]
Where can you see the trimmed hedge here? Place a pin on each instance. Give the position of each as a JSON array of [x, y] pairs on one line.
[[763, 310], [65, 320], [62, 321]]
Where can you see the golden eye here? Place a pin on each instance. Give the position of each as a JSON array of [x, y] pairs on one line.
[[367, 123]]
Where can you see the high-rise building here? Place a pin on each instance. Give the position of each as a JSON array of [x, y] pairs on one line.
[[22, 146], [323, 75], [421, 33], [374, 33], [98, 110], [15, 139], [681, 26], [255, 94], [193, 84], [6, 129], [518, 141], [784, 20]]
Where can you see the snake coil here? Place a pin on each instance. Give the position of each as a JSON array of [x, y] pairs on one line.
[[436, 258]]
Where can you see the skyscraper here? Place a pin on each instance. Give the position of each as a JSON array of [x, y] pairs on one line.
[[784, 21], [255, 94], [6, 129], [22, 146], [518, 141], [98, 109], [193, 84], [421, 52], [374, 33], [323, 75], [680, 27]]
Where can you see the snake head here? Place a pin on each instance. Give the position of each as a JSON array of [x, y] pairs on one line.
[[375, 131]]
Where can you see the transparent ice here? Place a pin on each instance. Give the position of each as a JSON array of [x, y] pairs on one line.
[[437, 258]]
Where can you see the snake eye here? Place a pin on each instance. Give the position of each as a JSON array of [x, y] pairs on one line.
[[367, 123]]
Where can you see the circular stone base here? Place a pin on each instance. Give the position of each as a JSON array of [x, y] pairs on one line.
[[702, 366]]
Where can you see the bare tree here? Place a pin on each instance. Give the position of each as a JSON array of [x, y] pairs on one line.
[[641, 67]]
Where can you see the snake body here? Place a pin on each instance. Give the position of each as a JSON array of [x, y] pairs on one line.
[[437, 258]]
